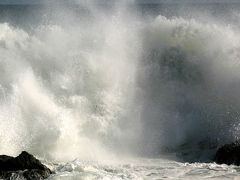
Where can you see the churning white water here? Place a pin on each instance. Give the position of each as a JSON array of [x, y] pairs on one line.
[[88, 93], [65, 90]]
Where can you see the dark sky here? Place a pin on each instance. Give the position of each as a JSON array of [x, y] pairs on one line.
[[141, 1]]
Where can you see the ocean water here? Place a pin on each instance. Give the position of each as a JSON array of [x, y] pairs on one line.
[[145, 169], [121, 90]]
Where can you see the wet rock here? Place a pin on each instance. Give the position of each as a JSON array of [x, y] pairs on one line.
[[23, 166], [228, 154]]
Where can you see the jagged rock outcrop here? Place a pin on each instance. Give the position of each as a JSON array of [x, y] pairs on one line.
[[228, 154], [23, 166]]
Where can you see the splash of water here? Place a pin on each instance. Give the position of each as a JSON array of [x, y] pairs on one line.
[[113, 82]]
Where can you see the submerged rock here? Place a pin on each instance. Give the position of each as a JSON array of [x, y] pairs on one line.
[[24, 165], [228, 154]]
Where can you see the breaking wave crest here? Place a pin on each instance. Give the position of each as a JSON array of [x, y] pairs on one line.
[[118, 83]]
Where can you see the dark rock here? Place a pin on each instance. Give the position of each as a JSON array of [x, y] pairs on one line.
[[228, 154], [25, 165]]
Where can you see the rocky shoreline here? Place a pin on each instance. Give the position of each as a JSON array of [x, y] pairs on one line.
[[24, 166]]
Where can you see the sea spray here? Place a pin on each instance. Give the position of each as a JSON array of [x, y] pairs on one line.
[[110, 82], [189, 75], [67, 90]]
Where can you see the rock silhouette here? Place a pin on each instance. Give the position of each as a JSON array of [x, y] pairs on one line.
[[24, 165], [228, 154]]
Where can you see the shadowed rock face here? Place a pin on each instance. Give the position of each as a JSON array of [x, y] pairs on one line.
[[25, 165], [228, 154]]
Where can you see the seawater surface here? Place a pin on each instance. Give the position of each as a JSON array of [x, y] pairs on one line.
[[145, 169]]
